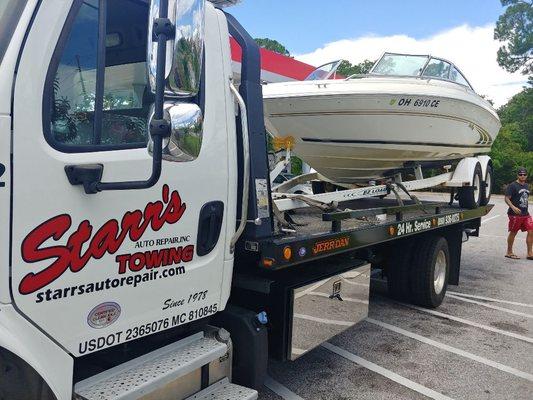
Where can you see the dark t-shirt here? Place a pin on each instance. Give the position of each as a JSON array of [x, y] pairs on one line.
[[519, 197]]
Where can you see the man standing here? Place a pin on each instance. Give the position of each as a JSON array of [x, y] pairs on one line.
[[516, 197]]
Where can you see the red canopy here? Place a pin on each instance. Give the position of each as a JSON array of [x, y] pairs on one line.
[[274, 67]]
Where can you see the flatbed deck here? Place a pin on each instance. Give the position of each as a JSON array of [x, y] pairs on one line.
[[317, 234]]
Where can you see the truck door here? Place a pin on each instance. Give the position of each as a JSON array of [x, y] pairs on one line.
[[93, 271]]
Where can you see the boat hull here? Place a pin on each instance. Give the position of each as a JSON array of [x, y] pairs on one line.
[[358, 133]]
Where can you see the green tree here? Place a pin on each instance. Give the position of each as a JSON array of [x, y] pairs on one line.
[[519, 110], [346, 68], [273, 45], [514, 145], [515, 28]]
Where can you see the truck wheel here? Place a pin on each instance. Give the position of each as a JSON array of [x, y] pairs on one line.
[[487, 187], [470, 196], [430, 272], [398, 271], [20, 381]]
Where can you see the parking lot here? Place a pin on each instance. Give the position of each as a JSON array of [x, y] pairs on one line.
[[477, 345]]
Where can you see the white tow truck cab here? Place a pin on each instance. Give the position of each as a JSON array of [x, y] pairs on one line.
[[135, 201]]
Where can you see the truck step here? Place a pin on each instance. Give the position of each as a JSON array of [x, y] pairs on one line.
[[150, 372], [224, 390]]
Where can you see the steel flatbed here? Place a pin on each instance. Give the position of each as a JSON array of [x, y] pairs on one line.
[[365, 223]]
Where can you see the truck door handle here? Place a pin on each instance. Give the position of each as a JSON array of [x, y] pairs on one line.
[[209, 226]]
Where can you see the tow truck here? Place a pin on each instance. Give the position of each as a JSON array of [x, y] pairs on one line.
[[143, 253]]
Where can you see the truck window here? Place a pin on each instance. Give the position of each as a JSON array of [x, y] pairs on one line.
[[97, 88]]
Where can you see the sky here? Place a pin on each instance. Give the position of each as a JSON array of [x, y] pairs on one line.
[[319, 31]]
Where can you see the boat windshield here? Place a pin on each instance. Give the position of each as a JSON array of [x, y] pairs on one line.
[[326, 71], [418, 66], [400, 64], [10, 11], [456, 76]]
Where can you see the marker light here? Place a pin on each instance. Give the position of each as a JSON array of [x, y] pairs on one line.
[[268, 262], [287, 253]]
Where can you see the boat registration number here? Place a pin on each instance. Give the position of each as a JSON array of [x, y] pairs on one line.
[[425, 103]]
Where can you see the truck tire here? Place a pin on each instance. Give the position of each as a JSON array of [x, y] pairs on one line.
[[19, 381], [487, 187], [398, 271], [470, 196], [430, 272]]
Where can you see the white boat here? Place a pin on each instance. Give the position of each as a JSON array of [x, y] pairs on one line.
[[409, 110]]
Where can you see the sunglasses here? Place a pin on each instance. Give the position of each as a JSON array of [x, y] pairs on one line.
[[522, 174]]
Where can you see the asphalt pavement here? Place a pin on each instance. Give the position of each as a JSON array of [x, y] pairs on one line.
[[477, 345]]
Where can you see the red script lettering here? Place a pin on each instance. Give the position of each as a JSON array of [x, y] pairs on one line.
[[106, 240]]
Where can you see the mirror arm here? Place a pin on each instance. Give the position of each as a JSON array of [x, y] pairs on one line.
[[90, 175]]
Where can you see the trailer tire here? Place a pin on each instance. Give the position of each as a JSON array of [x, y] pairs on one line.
[[430, 272], [470, 196], [398, 271], [20, 381], [487, 187]]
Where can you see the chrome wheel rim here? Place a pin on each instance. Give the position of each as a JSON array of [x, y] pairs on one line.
[[439, 276]]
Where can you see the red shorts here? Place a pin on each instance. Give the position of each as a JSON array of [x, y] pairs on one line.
[[522, 223]]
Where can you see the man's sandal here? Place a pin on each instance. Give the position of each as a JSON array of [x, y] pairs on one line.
[[515, 257]]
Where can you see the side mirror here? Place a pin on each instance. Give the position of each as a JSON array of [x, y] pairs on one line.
[[183, 67], [186, 131]]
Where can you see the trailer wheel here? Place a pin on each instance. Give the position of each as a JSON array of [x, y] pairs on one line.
[[487, 187], [398, 271], [430, 272], [470, 196]]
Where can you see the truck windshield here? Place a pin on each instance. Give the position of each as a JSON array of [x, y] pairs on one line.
[[10, 11]]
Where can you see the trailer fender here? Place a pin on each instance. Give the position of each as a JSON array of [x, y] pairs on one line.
[[454, 236], [464, 172], [485, 161], [48, 360]]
